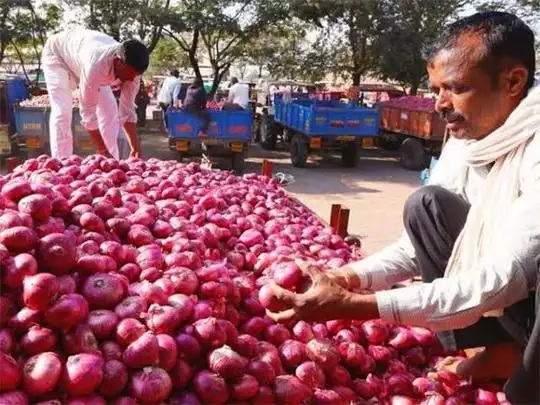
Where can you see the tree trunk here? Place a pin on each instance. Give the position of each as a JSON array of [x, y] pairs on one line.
[[414, 87], [261, 67], [356, 78]]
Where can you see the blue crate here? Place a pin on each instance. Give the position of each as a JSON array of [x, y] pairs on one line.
[[225, 125], [32, 122], [327, 118]]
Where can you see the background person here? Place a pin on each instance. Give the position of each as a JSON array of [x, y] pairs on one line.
[[238, 98], [195, 103], [93, 61], [168, 94]]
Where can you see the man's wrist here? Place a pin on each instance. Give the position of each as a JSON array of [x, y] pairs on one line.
[[360, 306]]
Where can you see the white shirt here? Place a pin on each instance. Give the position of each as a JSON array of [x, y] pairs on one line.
[[453, 303], [88, 55], [239, 94], [169, 90]]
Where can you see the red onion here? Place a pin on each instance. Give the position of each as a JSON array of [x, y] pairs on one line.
[[181, 374], [82, 374], [286, 274], [7, 342], [262, 371], [115, 378], [209, 332], [162, 319], [41, 373], [352, 354], [22, 320], [376, 331], [111, 350], [80, 339], [210, 387], [226, 362], [339, 376], [11, 374], [144, 351], [37, 340], [131, 307], [245, 387], [277, 334], [311, 375], [290, 390], [69, 310], [103, 291], [128, 330], [188, 346], [18, 268], [150, 385], [399, 384], [102, 323], [303, 332], [292, 353], [39, 291], [323, 353], [56, 253], [14, 398], [167, 351]]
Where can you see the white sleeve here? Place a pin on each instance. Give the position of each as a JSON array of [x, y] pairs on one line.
[[231, 96], [127, 105], [89, 97], [389, 266], [509, 275]]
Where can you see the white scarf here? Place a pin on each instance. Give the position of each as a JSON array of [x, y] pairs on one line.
[[505, 148]]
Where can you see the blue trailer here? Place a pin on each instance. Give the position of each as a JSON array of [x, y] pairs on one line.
[[229, 134], [311, 125]]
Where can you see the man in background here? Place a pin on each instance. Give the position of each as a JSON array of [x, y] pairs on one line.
[[169, 92], [238, 96], [93, 62], [195, 103]]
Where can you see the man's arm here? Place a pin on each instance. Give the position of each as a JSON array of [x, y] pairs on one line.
[[176, 93], [128, 114]]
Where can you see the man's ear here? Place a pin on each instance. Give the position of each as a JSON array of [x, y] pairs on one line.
[[516, 80]]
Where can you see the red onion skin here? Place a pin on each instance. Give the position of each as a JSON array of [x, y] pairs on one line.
[[181, 374], [128, 330], [69, 310], [188, 346], [292, 353], [162, 318], [131, 307], [262, 371], [311, 374], [39, 290], [167, 350], [211, 388], [103, 291], [11, 374], [323, 353], [80, 339], [111, 350], [115, 378], [142, 352], [14, 398], [102, 323], [82, 374], [226, 362], [150, 385], [41, 374], [290, 390], [22, 320], [7, 343], [37, 340], [245, 387]]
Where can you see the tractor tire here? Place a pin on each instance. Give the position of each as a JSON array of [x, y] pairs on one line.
[[299, 151], [268, 133], [413, 155], [238, 162], [349, 154]]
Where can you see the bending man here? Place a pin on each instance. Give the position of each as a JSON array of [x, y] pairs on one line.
[[93, 62]]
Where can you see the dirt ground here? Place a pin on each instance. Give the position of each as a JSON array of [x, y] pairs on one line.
[[374, 191]]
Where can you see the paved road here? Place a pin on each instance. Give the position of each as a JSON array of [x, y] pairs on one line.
[[374, 191]]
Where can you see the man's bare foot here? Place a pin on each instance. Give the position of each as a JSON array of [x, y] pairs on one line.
[[494, 362]]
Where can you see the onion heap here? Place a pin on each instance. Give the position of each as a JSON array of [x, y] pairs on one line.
[[143, 282]]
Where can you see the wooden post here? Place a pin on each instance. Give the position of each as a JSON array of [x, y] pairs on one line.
[[11, 163], [343, 222], [267, 168], [334, 216]]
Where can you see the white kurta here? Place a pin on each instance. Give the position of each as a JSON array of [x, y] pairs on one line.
[[456, 302], [84, 58]]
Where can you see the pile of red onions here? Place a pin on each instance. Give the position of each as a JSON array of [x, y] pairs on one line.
[[141, 282]]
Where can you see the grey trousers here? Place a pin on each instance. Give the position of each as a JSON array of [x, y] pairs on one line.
[[433, 218]]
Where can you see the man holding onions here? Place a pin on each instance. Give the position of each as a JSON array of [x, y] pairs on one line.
[[473, 233]]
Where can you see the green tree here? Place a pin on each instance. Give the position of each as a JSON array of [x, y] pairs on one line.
[[167, 55], [27, 28], [124, 19], [410, 27], [221, 29]]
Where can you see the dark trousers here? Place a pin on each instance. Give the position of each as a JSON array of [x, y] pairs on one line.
[[433, 218], [203, 115], [164, 108]]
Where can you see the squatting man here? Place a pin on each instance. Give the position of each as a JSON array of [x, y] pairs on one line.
[[473, 233]]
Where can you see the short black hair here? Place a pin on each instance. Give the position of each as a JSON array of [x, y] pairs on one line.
[[175, 73], [505, 36], [136, 55]]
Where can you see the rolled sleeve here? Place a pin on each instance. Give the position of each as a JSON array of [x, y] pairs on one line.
[[89, 97], [389, 266], [127, 108], [507, 277]]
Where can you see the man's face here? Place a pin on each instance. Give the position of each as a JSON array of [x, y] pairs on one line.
[[124, 72], [470, 100]]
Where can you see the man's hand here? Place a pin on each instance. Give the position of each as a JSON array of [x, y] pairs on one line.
[[345, 277], [325, 300], [135, 154]]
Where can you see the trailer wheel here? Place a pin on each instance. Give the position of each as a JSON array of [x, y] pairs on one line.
[[238, 161], [268, 131], [299, 151], [413, 155], [349, 154]]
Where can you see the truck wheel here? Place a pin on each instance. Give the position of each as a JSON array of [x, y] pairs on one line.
[[413, 155], [268, 131], [299, 151], [349, 154], [238, 160]]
